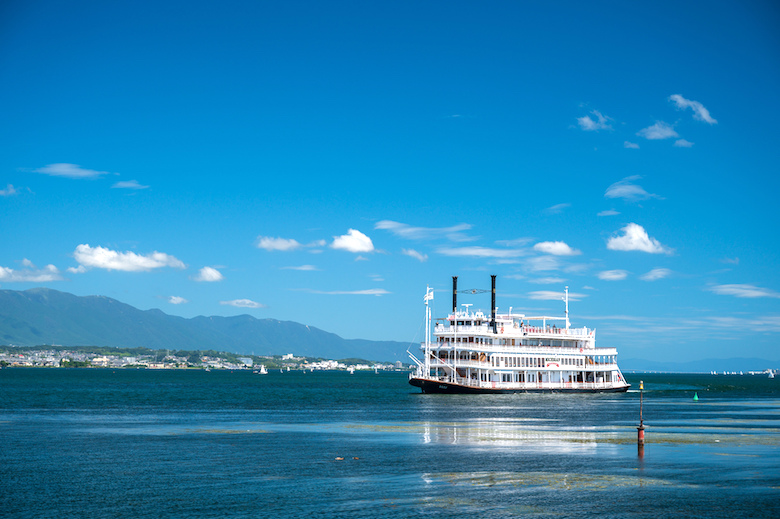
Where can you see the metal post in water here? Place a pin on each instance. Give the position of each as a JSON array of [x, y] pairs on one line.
[[640, 436]]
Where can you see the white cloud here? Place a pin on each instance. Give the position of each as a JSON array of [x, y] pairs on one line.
[[542, 263], [556, 248], [453, 233], [660, 130], [100, 257], [557, 208], [627, 190], [635, 237], [271, 244], [242, 303], [176, 300], [353, 241], [209, 275], [699, 112], [613, 275], [546, 281], [482, 252], [30, 274], [656, 274], [69, 171], [608, 212], [600, 123], [414, 254], [748, 291], [369, 292], [302, 267], [682, 143], [77, 270], [129, 184], [630, 145], [8, 191], [551, 295]]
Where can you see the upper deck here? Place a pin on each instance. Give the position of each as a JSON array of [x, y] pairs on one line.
[[511, 325]]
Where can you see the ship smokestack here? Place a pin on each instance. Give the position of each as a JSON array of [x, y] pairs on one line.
[[454, 294], [493, 302]]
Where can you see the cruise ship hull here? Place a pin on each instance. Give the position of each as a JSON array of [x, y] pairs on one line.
[[438, 386]]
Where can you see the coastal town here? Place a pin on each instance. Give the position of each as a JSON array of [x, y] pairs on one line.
[[59, 357]]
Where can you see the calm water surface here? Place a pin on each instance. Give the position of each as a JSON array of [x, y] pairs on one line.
[[135, 443]]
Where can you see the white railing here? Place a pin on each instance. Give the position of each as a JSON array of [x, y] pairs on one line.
[[521, 350], [475, 364]]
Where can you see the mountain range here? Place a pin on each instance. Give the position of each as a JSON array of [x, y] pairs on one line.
[[45, 316]]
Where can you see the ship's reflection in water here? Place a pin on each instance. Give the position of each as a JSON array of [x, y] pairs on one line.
[[518, 434]]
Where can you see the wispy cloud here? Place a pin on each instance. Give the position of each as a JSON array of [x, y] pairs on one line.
[[628, 190], [209, 275], [176, 300], [551, 295], [353, 241], [546, 281], [301, 267], [482, 252], [8, 191], [414, 254], [69, 171], [557, 208], [660, 130], [656, 274], [30, 274], [368, 292], [101, 257], [590, 124], [635, 238], [630, 145], [556, 248], [613, 275], [699, 112], [608, 212], [402, 230], [242, 303], [745, 291], [682, 143], [273, 244], [129, 184]]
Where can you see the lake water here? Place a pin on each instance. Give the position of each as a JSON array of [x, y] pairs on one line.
[[194, 444]]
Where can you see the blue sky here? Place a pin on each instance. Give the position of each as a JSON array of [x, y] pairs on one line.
[[322, 162]]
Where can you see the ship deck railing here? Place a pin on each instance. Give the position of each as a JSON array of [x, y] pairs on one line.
[[475, 364], [521, 350], [535, 330]]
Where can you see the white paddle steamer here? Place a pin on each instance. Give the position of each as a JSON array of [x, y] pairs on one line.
[[511, 353]]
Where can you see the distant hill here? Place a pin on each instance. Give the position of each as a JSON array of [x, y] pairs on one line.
[[45, 316]]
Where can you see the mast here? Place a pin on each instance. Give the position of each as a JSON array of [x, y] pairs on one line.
[[427, 364], [566, 299]]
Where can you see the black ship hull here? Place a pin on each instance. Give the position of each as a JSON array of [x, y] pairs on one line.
[[437, 386]]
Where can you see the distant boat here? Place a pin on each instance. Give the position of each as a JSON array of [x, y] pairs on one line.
[[262, 370], [771, 374], [351, 371]]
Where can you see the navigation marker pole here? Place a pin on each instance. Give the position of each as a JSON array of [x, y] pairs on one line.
[[640, 436]]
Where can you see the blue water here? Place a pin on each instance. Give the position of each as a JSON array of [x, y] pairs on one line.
[[135, 443]]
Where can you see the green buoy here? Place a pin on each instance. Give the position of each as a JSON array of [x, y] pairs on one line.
[[695, 397]]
